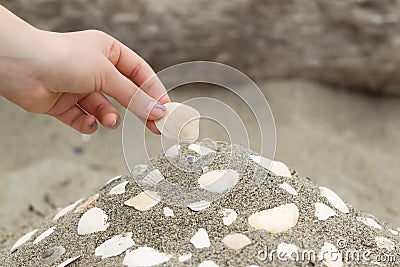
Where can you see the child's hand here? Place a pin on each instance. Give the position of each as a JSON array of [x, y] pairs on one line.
[[66, 74]]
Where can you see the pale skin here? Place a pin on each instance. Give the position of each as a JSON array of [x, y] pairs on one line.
[[67, 75]]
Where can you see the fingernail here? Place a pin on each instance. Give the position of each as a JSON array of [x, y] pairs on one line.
[[115, 124], [156, 109], [91, 126]]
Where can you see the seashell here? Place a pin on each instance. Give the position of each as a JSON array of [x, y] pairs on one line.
[[276, 167], [67, 209], [114, 246], [200, 239], [111, 181], [50, 255], [139, 169], [180, 122], [143, 201], [288, 251], [191, 159], [276, 220], [168, 212], [22, 240], [219, 180], [87, 204], [208, 263], [118, 189], [201, 150], [153, 178], [393, 232], [198, 206], [145, 256], [70, 260], [230, 216], [288, 188], [185, 257], [323, 212], [86, 137], [330, 255], [236, 241], [173, 151], [44, 235], [369, 222], [93, 220], [383, 242], [334, 199]]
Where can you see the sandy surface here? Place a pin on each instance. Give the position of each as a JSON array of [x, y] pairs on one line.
[[348, 142]]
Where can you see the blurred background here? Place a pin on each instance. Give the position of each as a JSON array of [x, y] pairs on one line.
[[329, 69]]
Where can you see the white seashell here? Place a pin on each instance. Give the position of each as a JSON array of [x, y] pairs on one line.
[[236, 241], [44, 235], [198, 206], [383, 242], [219, 180], [93, 220], [143, 201], [208, 263], [180, 122], [369, 222], [86, 137], [334, 199], [66, 262], [276, 220], [330, 255], [200, 239], [276, 167], [288, 251], [394, 232], [323, 212], [118, 189], [153, 178], [22, 240], [201, 150], [67, 209], [185, 257], [114, 246], [145, 256], [173, 151], [288, 188], [168, 212], [139, 169], [88, 203], [230, 216]]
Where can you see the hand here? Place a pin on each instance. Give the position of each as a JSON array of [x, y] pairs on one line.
[[67, 75]]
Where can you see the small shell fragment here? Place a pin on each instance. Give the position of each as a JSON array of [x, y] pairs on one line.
[[230, 216], [393, 232], [334, 199], [139, 169], [44, 235], [145, 256], [369, 222], [208, 263], [168, 212], [51, 255], [153, 178], [287, 251], [185, 257], [198, 206], [330, 255], [67, 209], [114, 246], [143, 201], [118, 189], [201, 150], [219, 180], [276, 220], [93, 220], [200, 239], [323, 212], [276, 167], [66, 262], [180, 122], [236, 241], [88, 203], [22, 240], [288, 188], [383, 242], [111, 181]]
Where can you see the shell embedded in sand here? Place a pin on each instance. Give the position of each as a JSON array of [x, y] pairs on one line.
[[88, 203], [369, 222], [114, 246], [201, 150], [323, 212], [143, 201], [139, 169], [67, 209], [219, 180], [330, 255], [288, 188], [334, 199], [198, 206], [276, 220], [236, 241], [153, 178], [181, 122], [118, 189], [185, 257], [111, 181], [393, 232], [288, 251], [51, 255], [276, 167], [200, 239], [168, 212], [230, 216], [23, 239], [208, 263], [67, 262], [44, 235], [383, 242], [145, 256], [93, 220]]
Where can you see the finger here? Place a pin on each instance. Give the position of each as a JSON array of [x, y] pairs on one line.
[[136, 68], [99, 106], [76, 118]]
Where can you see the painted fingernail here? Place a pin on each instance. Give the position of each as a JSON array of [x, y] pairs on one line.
[[115, 124], [156, 109], [91, 126]]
